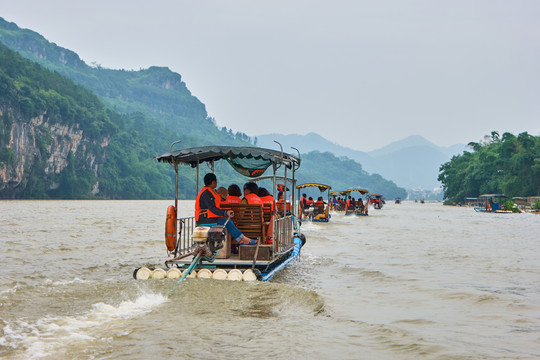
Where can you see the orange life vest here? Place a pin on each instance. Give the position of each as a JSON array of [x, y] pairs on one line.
[[253, 199], [268, 199], [208, 213], [233, 199], [319, 203], [309, 202]]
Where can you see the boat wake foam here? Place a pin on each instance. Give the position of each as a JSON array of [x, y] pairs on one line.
[[73, 334]]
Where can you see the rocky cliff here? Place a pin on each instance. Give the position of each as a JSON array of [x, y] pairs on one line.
[[37, 146]]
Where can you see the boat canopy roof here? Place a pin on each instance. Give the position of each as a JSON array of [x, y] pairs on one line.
[[361, 191], [279, 178], [492, 195], [337, 192], [321, 187], [248, 161], [375, 195]]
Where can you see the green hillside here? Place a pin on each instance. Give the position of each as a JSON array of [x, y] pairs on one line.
[[81, 145], [157, 92]]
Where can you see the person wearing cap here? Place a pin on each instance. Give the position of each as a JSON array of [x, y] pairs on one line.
[[207, 210]]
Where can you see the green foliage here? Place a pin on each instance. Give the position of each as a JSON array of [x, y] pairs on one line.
[[537, 204], [502, 164]]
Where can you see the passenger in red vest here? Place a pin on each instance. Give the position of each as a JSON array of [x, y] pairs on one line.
[[309, 202], [250, 194], [235, 194], [208, 212]]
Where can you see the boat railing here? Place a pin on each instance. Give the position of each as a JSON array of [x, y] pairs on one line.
[[283, 234], [185, 228]]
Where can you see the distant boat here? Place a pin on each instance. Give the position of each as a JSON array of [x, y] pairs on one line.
[[357, 207], [491, 203], [376, 200], [319, 212]]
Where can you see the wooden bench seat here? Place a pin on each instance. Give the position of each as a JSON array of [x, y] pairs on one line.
[[249, 219]]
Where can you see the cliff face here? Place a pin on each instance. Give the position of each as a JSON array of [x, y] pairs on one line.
[[38, 143]]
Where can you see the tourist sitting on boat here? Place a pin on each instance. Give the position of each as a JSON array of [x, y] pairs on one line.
[[250, 194], [349, 201], [309, 202], [319, 205], [223, 193], [265, 197], [361, 205], [234, 194], [280, 204], [303, 204], [207, 210]]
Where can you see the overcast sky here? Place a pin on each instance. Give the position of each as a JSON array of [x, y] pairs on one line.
[[360, 73]]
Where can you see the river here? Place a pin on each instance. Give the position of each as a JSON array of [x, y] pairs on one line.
[[410, 281]]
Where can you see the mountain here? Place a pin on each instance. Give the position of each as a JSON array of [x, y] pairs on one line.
[[311, 142], [157, 92], [68, 130], [412, 162]]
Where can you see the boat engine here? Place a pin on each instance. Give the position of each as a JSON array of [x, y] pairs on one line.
[[208, 240], [216, 238]]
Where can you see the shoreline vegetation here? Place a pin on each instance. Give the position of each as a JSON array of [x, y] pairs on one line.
[[506, 164]]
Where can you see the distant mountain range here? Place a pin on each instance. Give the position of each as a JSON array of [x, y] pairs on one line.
[[412, 162]]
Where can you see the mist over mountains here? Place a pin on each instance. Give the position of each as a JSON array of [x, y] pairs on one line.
[[412, 162]]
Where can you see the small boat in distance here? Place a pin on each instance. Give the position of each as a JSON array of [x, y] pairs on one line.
[[377, 201], [208, 250], [356, 207], [319, 210], [337, 202], [398, 200], [492, 203]]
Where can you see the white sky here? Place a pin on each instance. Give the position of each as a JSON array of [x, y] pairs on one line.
[[360, 73]]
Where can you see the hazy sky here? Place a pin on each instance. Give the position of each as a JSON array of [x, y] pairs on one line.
[[360, 73]]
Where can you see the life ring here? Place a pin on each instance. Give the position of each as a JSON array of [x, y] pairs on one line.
[[170, 228]]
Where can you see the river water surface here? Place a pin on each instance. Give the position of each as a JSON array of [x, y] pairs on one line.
[[410, 281]]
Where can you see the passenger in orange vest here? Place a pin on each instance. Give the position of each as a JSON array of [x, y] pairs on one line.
[[320, 202], [208, 212], [309, 202], [235, 194], [303, 204], [250, 194], [265, 197]]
